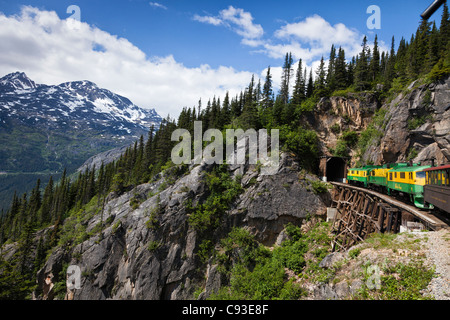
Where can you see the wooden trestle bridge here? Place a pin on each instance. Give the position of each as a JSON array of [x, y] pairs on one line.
[[361, 212]]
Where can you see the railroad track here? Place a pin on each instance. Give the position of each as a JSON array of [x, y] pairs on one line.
[[364, 211]]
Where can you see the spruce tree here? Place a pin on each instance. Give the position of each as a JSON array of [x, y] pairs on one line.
[[444, 29], [267, 102], [374, 66], [340, 73], [331, 74], [433, 53], [286, 77], [310, 86], [321, 80], [361, 75], [300, 86]]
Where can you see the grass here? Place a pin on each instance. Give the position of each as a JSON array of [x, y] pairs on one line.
[[399, 282]]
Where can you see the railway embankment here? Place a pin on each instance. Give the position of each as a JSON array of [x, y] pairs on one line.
[[405, 266]]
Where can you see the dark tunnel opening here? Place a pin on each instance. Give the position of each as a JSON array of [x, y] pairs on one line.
[[333, 169]]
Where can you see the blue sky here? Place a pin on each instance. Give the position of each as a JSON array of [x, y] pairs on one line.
[[167, 54]]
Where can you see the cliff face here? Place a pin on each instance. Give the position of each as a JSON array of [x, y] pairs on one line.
[[335, 115], [416, 124], [149, 250]]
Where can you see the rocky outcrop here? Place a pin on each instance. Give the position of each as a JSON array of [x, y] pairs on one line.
[[104, 157], [337, 114], [150, 251], [417, 126]]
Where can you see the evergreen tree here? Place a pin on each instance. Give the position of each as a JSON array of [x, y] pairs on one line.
[[47, 200], [433, 53], [389, 73], [444, 29], [310, 86], [340, 73], [267, 102], [226, 110], [286, 77], [320, 83], [300, 86], [361, 76], [331, 74], [374, 66]]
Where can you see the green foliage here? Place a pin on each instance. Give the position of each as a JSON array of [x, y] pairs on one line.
[[374, 132], [354, 253], [222, 191], [304, 143], [153, 245], [291, 255], [319, 187], [439, 71], [336, 128], [400, 282], [347, 141], [70, 203], [247, 264], [249, 278], [14, 285], [416, 122]]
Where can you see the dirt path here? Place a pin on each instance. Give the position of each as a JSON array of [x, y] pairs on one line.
[[438, 254]]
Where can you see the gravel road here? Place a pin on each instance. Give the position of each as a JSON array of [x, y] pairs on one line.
[[438, 254]]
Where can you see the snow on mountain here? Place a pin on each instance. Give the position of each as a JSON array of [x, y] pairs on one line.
[[16, 82], [80, 104]]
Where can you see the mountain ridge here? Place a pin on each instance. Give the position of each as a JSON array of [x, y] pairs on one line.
[[45, 129]]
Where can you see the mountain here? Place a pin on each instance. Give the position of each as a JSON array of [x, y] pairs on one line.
[[47, 128]]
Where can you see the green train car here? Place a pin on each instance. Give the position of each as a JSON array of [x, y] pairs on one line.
[[378, 176], [360, 176], [409, 180], [392, 178]]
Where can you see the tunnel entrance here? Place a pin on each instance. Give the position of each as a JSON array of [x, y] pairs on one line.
[[333, 169]]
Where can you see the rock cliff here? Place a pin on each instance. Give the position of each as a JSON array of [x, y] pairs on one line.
[[147, 248], [415, 124], [416, 127]]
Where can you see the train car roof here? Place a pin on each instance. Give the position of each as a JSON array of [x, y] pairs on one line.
[[410, 169], [365, 168], [438, 168]]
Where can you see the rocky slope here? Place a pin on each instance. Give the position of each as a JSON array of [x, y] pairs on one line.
[[150, 250]]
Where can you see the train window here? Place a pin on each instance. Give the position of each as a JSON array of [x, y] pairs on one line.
[[420, 174], [390, 176], [395, 175], [402, 175], [410, 175]]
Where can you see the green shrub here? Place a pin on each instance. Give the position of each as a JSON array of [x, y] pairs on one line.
[[439, 71], [319, 187], [222, 191], [291, 256], [400, 282], [302, 142]]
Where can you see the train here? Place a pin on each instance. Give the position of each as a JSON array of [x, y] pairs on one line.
[[427, 187]]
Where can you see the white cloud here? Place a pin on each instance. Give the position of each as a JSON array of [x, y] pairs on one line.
[[51, 51], [309, 39], [240, 21], [208, 19], [157, 5], [314, 37]]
